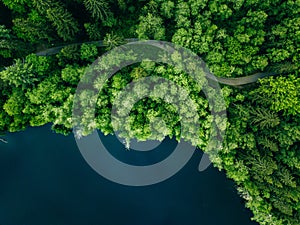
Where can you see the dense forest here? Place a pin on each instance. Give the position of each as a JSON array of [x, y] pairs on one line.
[[235, 38]]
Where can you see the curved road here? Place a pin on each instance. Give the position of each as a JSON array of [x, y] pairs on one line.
[[55, 50], [237, 81]]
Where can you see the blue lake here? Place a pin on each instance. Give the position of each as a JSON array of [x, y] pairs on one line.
[[45, 181]]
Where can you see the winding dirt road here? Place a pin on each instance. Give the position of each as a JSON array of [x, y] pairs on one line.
[[238, 81]]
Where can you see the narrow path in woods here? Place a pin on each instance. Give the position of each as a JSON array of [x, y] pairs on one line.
[[236, 81]]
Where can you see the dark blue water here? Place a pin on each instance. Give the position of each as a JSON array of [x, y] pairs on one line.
[[45, 181]]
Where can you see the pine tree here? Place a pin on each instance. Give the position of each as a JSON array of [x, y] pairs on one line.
[[66, 26], [32, 31], [268, 144], [112, 40], [264, 118], [5, 42], [98, 8]]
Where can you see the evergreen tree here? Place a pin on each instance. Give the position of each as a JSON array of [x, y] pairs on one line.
[[66, 26], [99, 9]]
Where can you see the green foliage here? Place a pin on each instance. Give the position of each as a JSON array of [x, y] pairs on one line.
[[17, 5], [268, 144], [167, 8], [20, 75], [93, 31], [41, 65], [244, 45], [49, 95], [59, 16], [10, 46], [264, 118], [25, 74], [151, 27], [33, 29], [65, 25], [272, 161], [234, 37], [14, 108], [280, 94], [63, 116], [69, 55], [5, 42], [112, 40], [88, 52], [137, 73], [71, 74], [98, 8]]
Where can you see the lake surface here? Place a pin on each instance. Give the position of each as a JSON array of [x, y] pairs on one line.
[[45, 181]]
